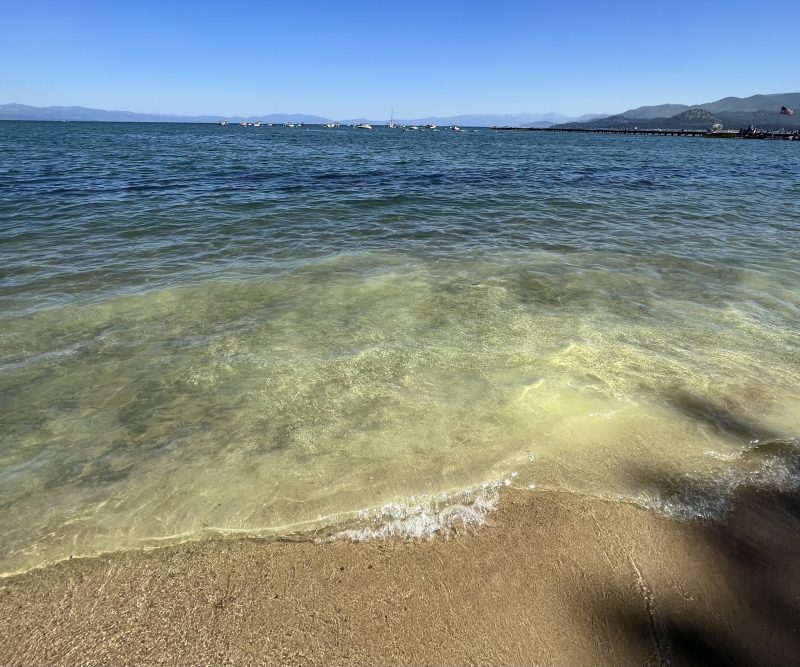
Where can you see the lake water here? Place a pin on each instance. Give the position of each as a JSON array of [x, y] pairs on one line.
[[219, 330]]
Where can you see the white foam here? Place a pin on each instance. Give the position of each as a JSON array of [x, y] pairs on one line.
[[428, 518], [709, 497], [689, 506]]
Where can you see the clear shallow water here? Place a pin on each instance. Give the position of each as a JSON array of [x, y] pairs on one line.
[[210, 329]]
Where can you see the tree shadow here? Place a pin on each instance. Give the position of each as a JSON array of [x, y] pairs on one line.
[[743, 608], [718, 416]]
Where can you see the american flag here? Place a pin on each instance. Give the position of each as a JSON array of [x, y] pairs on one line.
[[786, 111]]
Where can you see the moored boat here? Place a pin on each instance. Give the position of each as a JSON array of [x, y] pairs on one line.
[[716, 132]]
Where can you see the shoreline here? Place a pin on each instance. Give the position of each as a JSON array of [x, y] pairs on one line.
[[551, 578]]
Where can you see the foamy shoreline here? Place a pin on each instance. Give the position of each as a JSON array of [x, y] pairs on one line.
[[552, 578]]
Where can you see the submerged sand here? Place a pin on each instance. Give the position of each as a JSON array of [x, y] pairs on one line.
[[552, 579]]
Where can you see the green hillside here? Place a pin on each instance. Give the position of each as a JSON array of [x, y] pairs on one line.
[[760, 111]]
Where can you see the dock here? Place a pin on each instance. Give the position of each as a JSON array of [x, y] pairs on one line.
[[733, 134]]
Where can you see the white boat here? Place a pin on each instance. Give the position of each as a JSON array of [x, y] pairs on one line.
[[363, 126], [391, 124], [718, 132], [257, 123], [455, 128], [222, 123]]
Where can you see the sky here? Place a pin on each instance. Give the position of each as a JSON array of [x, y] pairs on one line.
[[342, 59]]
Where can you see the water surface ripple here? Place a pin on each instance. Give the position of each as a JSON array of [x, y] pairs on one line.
[[210, 330]]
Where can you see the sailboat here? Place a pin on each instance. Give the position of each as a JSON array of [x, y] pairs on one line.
[[391, 124]]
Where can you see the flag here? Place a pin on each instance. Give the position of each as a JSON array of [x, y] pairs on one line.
[[786, 111]]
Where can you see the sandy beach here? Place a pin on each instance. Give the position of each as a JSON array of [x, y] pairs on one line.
[[552, 579]]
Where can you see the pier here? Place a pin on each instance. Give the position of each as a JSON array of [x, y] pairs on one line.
[[733, 134]]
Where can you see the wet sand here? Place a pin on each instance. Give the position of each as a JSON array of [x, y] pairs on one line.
[[552, 579]]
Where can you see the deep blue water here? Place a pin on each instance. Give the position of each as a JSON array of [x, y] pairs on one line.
[[91, 207]]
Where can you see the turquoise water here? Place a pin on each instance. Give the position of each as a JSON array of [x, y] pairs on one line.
[[213, 330]]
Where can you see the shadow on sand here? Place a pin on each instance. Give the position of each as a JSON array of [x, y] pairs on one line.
[[735, 599]]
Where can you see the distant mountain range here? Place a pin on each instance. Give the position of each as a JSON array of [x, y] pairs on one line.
[[486, 120], [761, 111], [25, 112]]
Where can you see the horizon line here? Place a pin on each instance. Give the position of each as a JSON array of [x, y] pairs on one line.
[[294, 113]]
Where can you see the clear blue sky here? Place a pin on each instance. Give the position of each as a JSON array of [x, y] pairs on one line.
[[344, 59]]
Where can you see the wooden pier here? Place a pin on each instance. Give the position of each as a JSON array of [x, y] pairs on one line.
[[736, 134]]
